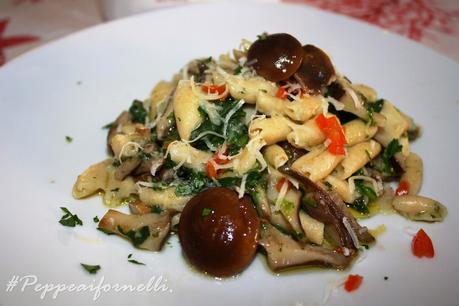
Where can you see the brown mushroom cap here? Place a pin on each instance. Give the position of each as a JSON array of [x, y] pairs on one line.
[[219, 232], [275, 57], [316, 70]]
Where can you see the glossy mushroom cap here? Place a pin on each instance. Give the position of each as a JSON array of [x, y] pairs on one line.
[[316, 70], [275, 57], [218, 231]]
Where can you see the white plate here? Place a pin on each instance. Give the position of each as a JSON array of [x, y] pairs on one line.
[[78, 84]]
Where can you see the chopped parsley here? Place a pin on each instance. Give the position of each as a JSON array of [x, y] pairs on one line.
[[367, 195], [193, 182], [92, 269], [116, 163], [287, 206], [95, 219], [68, 139], [206, 211], [133, 261], [138, 112], [69, 219], [376, 106], [262, 36], [108, 126], [156, 209], [365, 191], [372, 107], [238, 70], [137, 236], [236, 131], [392, 148], [360, 205]]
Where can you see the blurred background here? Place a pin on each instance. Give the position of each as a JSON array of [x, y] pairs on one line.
[[27, 24]]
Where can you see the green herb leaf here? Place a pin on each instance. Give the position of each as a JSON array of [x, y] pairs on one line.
[[116, 163], [136, 262], [287, 206], [262, 36], [137, 236], [68, 139], [108, 126], [206, 211], [366, 191], [360, 205], [95, 219], [133, 261], [229, 181], [392, 148], [138, 112], [238, 70], [376, 106], [92, 269], [194, 182], [156, 209], [69, 219]]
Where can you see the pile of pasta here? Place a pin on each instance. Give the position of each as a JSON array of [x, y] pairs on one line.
[[312, 161]]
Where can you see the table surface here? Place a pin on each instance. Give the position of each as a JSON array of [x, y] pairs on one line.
[[26, 24]]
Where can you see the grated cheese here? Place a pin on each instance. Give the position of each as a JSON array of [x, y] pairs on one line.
[[337, 104], [136, 148], [241, 189], [212, 110], [281, 195], [354, 97], [377, 186]]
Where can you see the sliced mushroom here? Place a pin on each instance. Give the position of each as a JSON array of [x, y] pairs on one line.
[[284, 252], [122, 119], [165, 122], [146, 231], [151, 162], [139, 208], [127, 167], [331, 210]]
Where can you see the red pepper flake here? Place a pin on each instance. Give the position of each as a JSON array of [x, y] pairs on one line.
[[211, 171], [334, 133], [281, 93], [421, 245], [213, 89], [403, 188], [281, 183], [353, 282]]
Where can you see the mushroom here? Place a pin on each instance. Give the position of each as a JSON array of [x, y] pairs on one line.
[[275, 57], [316, 70], [127, 167], [122, 119], [329, 209], [219, 232], [145, 231], [284, 252]]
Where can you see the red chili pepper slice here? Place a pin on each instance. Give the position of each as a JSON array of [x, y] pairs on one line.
[[422, 245]]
